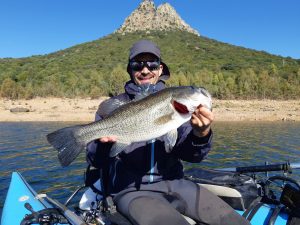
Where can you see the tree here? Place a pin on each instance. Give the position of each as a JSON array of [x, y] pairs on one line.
[[9, 89], [247, 83], [182, 80], [116, 80]]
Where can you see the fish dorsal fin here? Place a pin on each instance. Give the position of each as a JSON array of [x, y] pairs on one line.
[[179, 107], [110, 105]]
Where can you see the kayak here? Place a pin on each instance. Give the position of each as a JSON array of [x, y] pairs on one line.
[[24, 206], [19, 193]]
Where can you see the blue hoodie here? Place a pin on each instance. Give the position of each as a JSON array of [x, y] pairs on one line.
[[146, 162]]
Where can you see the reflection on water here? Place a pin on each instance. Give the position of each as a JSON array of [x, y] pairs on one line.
[[23, 148], [242, 143]]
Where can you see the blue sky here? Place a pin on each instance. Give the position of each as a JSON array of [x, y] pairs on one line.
[[37, 27]]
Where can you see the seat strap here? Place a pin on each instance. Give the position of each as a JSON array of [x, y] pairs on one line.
[[108, 203], [91, 176], [254, 211], [251, 206], [274, 215]]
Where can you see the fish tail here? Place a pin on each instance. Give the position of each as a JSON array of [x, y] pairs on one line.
[[68, 142]]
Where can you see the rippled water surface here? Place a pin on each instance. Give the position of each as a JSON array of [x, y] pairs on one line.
[[23, 148]]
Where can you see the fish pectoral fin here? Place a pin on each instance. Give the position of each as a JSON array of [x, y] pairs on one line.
[[170, 140], [117, 148]]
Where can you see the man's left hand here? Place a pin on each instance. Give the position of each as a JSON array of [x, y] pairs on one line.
[[201, 121]]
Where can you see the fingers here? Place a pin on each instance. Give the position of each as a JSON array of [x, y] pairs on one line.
[[201, 121], [202, 116], [108, 139], [205, 112]]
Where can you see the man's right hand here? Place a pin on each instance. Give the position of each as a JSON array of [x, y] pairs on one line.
[[108, 139]]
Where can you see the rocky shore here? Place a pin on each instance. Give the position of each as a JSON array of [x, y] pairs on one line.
[[63, 109]]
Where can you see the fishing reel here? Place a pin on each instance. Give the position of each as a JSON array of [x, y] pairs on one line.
[[104, 213], [43, 217], [95, 215]]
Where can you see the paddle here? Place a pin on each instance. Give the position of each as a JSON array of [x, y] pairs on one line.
[[286, 167]]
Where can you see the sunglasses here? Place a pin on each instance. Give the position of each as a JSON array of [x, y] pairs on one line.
[[139, 65]]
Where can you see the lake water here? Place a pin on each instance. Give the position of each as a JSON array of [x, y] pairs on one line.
[[23, 148]]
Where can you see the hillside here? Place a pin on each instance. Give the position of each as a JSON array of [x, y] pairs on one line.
[[98, 68]]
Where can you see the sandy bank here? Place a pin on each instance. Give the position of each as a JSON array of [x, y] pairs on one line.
[[58, 109]]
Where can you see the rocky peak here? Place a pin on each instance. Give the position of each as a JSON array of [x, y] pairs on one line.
[[147, 17], [146, 6]]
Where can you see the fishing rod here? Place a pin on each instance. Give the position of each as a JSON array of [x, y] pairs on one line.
[[70, 215], [286, 167]]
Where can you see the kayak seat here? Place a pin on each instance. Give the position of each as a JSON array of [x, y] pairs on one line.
[[237, 190]]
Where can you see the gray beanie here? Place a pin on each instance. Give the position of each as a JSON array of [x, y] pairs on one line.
[[146, 46]]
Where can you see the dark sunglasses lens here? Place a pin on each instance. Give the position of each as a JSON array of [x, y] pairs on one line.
[[153, 65], [137, 66]]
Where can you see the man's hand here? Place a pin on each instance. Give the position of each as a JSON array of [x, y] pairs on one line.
[[201, 121], [108, 139]]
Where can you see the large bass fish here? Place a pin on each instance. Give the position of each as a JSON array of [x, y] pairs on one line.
[[142, 120]]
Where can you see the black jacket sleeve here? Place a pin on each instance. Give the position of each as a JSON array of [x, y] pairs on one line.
[[191, 148]]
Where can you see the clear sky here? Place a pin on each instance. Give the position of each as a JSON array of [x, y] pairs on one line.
[[36, 27]]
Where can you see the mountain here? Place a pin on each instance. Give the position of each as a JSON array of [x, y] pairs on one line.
[[98, 68], [149, 18]]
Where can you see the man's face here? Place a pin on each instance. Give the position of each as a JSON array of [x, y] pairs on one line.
[[146, 75]]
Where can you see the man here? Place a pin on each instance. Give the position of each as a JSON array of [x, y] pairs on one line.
[[147, 180]]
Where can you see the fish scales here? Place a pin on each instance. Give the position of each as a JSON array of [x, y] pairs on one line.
[[144, 111], [123, 125]]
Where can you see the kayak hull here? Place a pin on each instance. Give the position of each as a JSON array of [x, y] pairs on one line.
[[20, 192], [264, 214]]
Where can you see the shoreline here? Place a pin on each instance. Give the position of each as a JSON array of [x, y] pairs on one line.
[[83, 110]]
